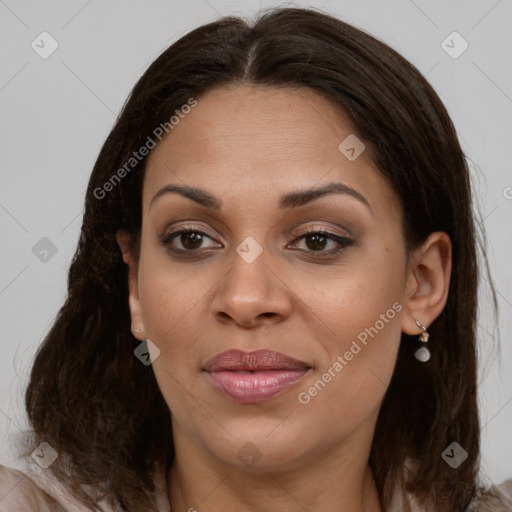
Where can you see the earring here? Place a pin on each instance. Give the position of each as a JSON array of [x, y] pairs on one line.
[[137, 331], [423, 353]]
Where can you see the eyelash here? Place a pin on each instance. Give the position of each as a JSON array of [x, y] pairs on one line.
[[341, 240]]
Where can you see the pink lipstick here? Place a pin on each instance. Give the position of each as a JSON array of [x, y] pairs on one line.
[[249, 377]]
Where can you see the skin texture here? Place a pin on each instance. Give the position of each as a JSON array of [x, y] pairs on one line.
[[249, 145]]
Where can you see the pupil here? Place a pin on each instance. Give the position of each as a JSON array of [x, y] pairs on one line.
[[190, 240], [318, 242]]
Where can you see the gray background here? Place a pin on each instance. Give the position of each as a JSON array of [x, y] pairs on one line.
[[56, 113]]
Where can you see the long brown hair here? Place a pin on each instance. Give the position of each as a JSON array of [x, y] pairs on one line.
[[99, 407]]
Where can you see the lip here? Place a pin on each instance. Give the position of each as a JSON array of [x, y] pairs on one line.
[[257, 376]]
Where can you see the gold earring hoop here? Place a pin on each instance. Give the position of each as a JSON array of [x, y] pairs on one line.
[[423, 353]]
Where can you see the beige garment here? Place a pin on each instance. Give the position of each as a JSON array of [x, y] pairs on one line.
[[38, 491], [403, 502]]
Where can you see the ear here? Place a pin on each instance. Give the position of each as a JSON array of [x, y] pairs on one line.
[[428, 282], [123, 240]]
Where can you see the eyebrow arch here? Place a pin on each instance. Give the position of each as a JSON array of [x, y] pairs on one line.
[[290, 200], [302, 197]]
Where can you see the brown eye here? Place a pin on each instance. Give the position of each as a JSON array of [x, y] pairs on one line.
[[316, 241], [191, 240], [187, 240]]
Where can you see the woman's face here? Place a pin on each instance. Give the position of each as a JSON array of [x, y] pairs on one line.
[[247, 278]]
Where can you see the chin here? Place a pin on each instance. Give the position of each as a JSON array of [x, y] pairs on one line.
[[264, 450]]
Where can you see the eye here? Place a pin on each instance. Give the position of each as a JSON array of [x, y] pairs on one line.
[[190, 239], [316, 241]]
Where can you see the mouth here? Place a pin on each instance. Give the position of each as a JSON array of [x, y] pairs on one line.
[[251, 377]]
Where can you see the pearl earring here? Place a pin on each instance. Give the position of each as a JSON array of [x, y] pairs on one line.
[[423, 353]]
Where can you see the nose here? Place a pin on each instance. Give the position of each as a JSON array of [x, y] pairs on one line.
[[252, 293]]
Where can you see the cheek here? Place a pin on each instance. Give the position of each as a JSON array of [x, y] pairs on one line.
[[170, 308], [170, 302], [364, 293], [362, 308]]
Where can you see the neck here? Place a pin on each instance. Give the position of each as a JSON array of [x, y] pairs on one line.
[[332, 482]]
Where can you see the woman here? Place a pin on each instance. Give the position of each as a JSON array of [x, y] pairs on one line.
[[273, 301]]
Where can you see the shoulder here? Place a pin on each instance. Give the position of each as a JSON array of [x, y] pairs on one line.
[[19, 493], [489, 498], [38, 490], [497, 498]]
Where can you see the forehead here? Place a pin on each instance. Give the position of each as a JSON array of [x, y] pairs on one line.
[[254, 124], [269, 138]]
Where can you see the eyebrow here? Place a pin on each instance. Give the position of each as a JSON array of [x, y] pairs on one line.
[[290, 200]]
